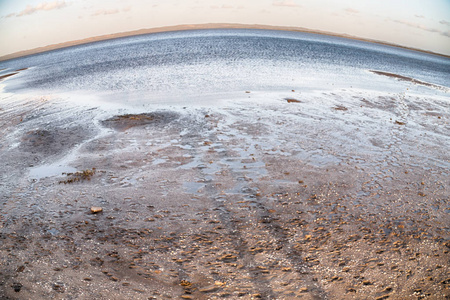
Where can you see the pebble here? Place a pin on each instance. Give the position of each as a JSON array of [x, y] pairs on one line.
[[96, 209], [17, 287]]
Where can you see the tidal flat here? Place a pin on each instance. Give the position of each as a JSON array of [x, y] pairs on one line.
[[225, 164], [260, 197]]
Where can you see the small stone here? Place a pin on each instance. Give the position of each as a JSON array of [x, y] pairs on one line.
[[185, 283], [20, 269], [303, 290], [17, 287], [367, 282], [59, 287], [228, 257], [96, 209]]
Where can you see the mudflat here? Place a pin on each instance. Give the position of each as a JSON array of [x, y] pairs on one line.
[[330, 196]]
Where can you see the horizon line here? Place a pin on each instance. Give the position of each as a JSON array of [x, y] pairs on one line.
[[187, 27]]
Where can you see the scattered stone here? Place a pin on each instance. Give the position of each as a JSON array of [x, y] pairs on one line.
[[59, 287], [185, 283], [340, 107], [292, 100], [17, 287], [20, 269], [228, 257], [96, 209]]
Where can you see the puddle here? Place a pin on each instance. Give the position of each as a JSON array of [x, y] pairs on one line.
[[193, 187], [49, 171]]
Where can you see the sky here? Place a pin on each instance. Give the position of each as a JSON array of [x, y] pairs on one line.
[[28, 24]]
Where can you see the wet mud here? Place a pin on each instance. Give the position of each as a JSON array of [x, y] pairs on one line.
[[124, 122], [409, 79], [249, 200]]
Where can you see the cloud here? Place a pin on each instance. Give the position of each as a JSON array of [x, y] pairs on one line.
[[224, 6], [419, 16], [422, 27], [45, 6], [286, 3], [445, 22], [104, 12], [352, 11]]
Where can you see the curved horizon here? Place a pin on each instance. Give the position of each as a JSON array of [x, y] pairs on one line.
[[188, 27], [31, 24]]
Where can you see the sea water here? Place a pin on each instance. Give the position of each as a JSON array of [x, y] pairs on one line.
[[187, 66]]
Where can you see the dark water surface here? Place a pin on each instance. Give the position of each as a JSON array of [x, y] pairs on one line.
[[220, 61]]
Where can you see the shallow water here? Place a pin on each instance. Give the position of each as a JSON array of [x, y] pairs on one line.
[[212, 64]]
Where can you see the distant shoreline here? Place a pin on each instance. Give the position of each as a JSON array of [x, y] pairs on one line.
[[197, 27]]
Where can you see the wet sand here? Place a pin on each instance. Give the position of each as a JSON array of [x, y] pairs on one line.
[[325, 197], [409, 79]]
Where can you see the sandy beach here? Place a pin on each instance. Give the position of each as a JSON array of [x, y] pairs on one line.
[[300, 196]]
